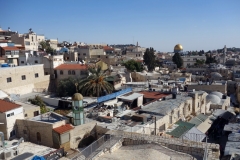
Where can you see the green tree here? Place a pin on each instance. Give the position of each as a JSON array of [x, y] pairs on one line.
[[66, 87], [210, 59], [199, 62], [46, 46], [39, 102], [132, 65], [95, 84], [177, 59], [150, 59]]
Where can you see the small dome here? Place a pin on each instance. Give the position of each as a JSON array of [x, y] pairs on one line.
[[216, 75], [178, 48], [213, 98], [77, 97], [219, 94]]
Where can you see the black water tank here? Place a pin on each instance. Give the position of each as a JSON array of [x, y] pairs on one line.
[[224, 96], [174, 95]]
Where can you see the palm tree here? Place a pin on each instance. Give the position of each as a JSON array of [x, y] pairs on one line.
[[95, 84]]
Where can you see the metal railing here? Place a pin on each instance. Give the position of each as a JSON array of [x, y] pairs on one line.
[[146, 134], [106, 141]]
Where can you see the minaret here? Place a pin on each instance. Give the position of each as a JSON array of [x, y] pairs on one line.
[[224, 54], [137, 44], [77, 108]]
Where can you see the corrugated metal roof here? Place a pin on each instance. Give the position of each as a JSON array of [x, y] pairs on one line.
[[202, 117], [182, 128]]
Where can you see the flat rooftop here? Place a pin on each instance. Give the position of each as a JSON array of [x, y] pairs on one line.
[[162, 108], [145, 151], [49, 117]]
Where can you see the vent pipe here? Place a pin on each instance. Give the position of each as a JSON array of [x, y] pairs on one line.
[[2, 139]]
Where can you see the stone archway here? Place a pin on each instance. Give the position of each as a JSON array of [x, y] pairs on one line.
[[86, 141]]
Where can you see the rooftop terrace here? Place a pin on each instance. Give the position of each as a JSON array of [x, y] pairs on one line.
[[49, 117]]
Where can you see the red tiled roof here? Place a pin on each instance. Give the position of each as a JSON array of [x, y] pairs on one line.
[[153, 95], [7, 106], [64, 128], [107, 48], [3, 41], [72, 67], [10, 48]]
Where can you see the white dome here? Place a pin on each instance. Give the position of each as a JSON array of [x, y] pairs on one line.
[[216, 75], [213, 98], [219, 94]]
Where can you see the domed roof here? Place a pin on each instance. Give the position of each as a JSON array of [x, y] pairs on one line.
[[213, 98], [219, 94], [178, 47], [77, 97], [216, 75]]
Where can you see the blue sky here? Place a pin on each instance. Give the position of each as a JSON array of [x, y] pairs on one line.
[[196, 24]]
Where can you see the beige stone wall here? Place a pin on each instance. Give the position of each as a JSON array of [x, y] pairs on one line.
[[209, 88], [19, 86], [78, 74], [78, 133], [32, 127]]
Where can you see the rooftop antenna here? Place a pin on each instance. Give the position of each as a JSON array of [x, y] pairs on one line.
[[76, 84]]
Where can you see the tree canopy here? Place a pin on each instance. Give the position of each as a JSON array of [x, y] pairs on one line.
[[132, 65], [66, 87], [150, 59], [210, 59], [95, 84], [39, 102], [177, 59], [46, 46]]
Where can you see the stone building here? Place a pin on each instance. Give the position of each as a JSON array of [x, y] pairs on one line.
[[9, 113], [10, 53], [30, 40], [23, 79], [191, 60], [71, 70], [39, 129]]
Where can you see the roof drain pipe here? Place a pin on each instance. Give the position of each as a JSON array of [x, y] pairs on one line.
[[2, 139], [15, 146]]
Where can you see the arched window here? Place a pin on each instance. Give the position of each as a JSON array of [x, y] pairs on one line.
[[38, 137], [73, 72], [69, 72], [61, 72]]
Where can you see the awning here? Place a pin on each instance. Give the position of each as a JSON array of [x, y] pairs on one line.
[[203, 127], [131, 97], [223, 114]]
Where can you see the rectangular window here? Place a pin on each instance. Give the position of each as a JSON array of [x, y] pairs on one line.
[[9, 79], [36, 61], [12, 113], [27, 43], [36, 75], [8, 115], [23, 77], [36, 113], [84, 54], [22, 62], [24, 131], [25, 115]]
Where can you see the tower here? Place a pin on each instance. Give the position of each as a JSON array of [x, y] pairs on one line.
[[77, 109], [224, 54]]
